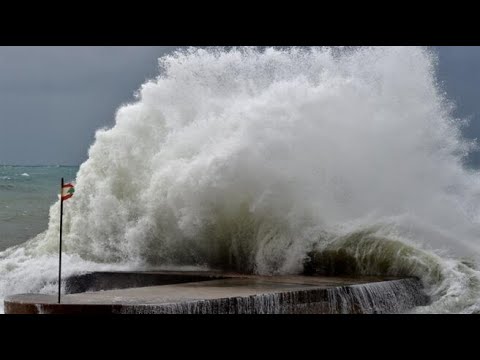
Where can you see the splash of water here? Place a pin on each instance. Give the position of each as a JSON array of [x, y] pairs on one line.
[[248, 159]]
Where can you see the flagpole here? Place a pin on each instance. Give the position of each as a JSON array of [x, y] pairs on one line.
[[60, 247]]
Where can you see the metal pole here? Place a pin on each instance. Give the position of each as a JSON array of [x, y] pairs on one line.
[[60, 248]]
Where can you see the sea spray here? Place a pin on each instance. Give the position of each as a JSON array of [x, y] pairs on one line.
[[250, 159]]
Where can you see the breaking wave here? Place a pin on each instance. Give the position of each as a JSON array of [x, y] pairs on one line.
[[336, 160]]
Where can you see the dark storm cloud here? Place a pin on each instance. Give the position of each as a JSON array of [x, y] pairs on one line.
[[52, 99], [459, 73]]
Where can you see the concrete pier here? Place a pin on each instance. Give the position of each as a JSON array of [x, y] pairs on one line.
[[221, 293]]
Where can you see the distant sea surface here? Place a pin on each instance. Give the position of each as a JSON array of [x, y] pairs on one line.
[[26, 194]]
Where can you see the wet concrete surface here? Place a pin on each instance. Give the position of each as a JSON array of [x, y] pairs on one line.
[[212, 292]]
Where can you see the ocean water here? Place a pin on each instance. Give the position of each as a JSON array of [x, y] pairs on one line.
[[26, 194], [249, 160]]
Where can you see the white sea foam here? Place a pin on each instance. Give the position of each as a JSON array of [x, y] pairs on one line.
[[245, 159]]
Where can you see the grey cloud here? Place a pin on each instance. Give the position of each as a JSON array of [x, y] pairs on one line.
[[52, 99]]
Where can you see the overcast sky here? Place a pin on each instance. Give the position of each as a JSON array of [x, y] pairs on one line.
[[52, 99]]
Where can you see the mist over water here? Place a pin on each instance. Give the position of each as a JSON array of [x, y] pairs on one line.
[[247, 160]]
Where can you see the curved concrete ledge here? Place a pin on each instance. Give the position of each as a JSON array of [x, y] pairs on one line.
[[106, 280], [216, 293]]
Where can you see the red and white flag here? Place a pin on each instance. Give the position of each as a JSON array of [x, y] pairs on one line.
[[67, 191]]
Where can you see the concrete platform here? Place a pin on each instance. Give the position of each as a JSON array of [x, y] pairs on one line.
[[221, 293]]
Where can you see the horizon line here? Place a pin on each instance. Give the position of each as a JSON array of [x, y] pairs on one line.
[[39, 165]]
